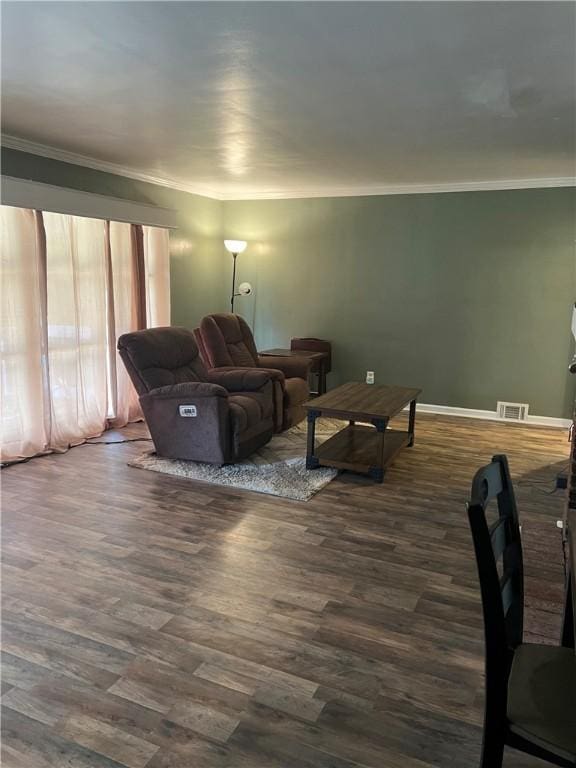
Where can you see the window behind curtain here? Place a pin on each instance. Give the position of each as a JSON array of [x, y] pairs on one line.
[[70, 286]]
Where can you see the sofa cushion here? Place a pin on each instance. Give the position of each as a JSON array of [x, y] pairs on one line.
[[263, 400], [160, 357], [542, 697], [240, 355], [245, 412], [228, 341]]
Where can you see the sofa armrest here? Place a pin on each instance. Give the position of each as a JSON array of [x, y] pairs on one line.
[[186, 390], [199, 432], [272, 375], [240, 379], [292, 367]]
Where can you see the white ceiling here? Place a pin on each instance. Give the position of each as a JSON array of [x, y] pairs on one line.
[[282, 99]]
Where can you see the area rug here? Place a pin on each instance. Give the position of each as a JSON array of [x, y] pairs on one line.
[[279, 468]]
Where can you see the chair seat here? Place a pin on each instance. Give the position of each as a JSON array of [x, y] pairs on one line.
[[248, 410], [542, 698]]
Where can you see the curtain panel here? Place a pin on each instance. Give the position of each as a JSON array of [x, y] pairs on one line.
[[128, 305], [24, 400], [157, 283], [69, 287]]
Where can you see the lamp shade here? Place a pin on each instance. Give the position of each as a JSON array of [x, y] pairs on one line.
[[244, 289], [235, 246]]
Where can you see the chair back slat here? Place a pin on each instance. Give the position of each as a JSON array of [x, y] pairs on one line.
[[499, 537], [490, 483], [502, 597], [487, 484], [508, 593]]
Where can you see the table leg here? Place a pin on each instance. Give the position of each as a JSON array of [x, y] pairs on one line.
[[412, 422], [311, 460], [322, 378], [377, 470]]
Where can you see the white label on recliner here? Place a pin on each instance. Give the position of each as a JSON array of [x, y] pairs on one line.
[[187, 410]]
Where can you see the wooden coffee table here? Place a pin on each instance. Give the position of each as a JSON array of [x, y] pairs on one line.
[[361, 447]]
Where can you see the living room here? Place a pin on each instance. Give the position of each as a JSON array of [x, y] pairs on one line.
[[244, 569]]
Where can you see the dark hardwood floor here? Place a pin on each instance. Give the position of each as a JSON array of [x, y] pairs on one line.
[[153, 621]]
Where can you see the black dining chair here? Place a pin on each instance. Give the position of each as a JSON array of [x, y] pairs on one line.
[[530, 700]]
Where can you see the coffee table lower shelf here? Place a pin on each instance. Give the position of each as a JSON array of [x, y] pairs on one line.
[[357, 447]]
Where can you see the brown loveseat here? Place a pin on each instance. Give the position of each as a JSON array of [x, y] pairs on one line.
[[226, 341], [192, 413]]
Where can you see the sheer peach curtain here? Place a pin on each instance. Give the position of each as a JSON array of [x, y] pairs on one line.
[[76, 251], [23, 396], [157, 265], [129, 314], [69, 287]]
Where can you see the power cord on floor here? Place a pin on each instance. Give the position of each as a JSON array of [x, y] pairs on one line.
[[541, 490], [6, 464], [557, 487], [117, 442]]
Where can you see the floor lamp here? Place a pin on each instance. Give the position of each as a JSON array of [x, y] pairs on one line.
[[244, 289]]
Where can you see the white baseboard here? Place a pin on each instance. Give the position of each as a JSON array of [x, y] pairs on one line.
[[472, 413]]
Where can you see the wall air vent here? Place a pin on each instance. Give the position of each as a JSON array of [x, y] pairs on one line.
[[512, 411]]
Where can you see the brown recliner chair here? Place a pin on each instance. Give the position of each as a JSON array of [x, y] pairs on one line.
[[214, 416], [226, 341]]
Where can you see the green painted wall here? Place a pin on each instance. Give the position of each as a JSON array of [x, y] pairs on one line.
[[466, 295], [197, 257]]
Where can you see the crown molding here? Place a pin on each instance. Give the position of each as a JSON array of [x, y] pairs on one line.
[[372, 190], [43, 150], [407, 189]]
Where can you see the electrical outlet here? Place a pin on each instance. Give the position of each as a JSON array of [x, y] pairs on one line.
[[369, 377]]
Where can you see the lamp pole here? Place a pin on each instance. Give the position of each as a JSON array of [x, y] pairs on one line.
[[234, 255], [235, 247]]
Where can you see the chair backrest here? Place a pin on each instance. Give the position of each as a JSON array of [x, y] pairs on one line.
[[228, 340], [158, 357], [201, 347], [498, 550]]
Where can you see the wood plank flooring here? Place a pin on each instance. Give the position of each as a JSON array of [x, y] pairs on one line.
[[152, 621]]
